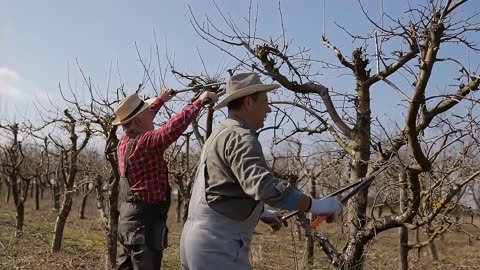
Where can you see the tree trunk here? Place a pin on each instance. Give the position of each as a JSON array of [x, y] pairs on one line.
[[56, 196], [417, 238], [37, 194], [179, 207], [310, 251], [403, 248], [299, 231], [432, 247], [20, 217], [403, 232], [186, 202], [361, 141], [32, 190], [379, 211], [83, 205], [310, 243], [112, 229], [7, 196], [354, 252], [110, 219], [107, 207], [61, 220], [111, 241], [353, 257]]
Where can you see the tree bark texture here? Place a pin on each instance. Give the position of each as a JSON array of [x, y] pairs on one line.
[[83, 205], [61, 220], [36, 185]]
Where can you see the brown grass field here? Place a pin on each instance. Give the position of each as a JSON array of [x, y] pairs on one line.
[[83, 244]]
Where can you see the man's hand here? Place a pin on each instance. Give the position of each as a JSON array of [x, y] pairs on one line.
[[166, 94], [207, 97], [272, 219], [329, 206]]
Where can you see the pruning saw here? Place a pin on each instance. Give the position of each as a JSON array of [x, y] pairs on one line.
[[357, 187]]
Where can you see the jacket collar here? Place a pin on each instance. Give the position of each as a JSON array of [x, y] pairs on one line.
[[235, 119]]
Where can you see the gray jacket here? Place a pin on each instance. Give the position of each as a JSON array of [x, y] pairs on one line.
[[237, 176]]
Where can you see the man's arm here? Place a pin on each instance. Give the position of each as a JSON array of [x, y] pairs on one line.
[[245, 156], [249, 166], [164, 96], [168, 133]]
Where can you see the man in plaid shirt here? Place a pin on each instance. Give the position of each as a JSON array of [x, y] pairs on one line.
[[144, 192]]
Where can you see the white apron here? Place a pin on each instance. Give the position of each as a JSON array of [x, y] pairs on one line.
[[211, 240]]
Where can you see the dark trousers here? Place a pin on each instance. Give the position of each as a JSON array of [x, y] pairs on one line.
[[142, 233], [138, 257]]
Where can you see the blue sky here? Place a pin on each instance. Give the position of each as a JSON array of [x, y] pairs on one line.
[[41, 40]]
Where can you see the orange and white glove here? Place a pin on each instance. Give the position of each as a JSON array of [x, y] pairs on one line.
[[329, 206]]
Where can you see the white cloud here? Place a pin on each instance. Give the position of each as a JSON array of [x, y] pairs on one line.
[[17, 94], [9, 83], [14, 85], [6, 72]]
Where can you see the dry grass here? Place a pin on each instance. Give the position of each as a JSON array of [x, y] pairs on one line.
[[83, 244]]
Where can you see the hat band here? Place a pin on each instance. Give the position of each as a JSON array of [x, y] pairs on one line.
[[134, 111]]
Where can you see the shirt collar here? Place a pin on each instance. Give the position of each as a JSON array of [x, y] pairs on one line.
[[242, 123], [132, 133]]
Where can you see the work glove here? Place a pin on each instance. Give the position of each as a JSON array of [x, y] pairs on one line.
[[326, 206], [166, 94], [272, 218]]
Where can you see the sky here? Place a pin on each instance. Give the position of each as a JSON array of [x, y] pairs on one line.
[[42, 41]]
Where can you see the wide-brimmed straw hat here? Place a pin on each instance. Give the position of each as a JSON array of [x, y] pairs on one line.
[[130, 107], [244, 84]]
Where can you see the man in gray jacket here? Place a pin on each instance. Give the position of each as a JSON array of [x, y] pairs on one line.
[[233, 182]]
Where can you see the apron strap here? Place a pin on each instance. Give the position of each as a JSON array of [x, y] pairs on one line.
[[124, 192], [203, 157], [125, 157]]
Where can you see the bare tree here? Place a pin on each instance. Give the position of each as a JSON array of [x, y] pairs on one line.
[[181, 161], [69, 166], [182, 168], [96, 109], [12, 161], [32, 165], [92, 163], [69, 134], [346, 118]]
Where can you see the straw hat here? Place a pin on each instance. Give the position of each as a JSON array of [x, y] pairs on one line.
[[244, 84], [130, 107]]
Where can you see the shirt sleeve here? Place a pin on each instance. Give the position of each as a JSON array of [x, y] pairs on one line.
[[168, 133], [156, 105], [245, 155]]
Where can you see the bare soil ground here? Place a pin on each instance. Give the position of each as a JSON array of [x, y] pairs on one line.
[[83, 245]]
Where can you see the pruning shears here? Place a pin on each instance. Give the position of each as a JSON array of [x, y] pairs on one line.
[[197, 87], [357, 187]]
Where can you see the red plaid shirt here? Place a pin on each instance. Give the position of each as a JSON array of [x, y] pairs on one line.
[[147, 169]]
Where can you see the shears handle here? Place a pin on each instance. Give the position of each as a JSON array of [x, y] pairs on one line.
[[318, 221], [314, 223], [283, 220]]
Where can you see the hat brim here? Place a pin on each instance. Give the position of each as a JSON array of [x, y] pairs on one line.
[[117, 121], [245, 92]]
